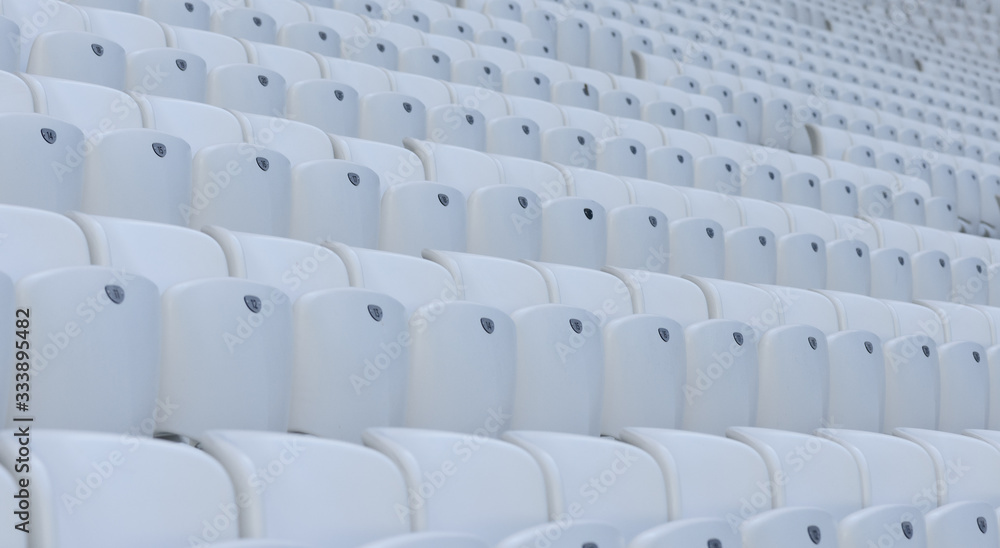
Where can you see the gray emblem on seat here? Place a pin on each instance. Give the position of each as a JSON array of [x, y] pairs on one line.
[[714, 543], [927, 351], [738, 337], [710, 231], [526, 130], [49, 135], [160, 149], [376, 312], [812, 343], [652, 220], [664, 334], [487, 324], [338, 94], [253, 303], [869, 347], [189, 6], [523, 202], [262, 163], [181, 64], [469, 119], [576, 324], [762, 240], [263, 80], [257, 21], [814, 534], [443, 198], [322, 35], [115, 293], [588, 213], [354, 178], [981, 522], [907, 529], [407, 107], [98, 49]]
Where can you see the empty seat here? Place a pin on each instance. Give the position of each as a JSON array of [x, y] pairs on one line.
[[92, 108], [633, 498], [444, 392], [645, 369], [516, 512], [352, 190], [367, 331], [422, 215], [324, 505], [308, 36], [162, 470], [310, 102], [247, 363], [411, 280], [390, 117], [560, 374], [78, 56], [574, 232], [165, 254], [138, 174], [793, 377], [39, 240], [167, 72], [240, 187], [247, 88], [245, 23], [116, 314], [194, 14], [293, 266], [978, 457], [46, 152]]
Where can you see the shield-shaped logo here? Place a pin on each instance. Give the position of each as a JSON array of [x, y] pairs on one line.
[[710, 231], [815, 247], [354, 178], [381, 47], [253, 303], [262, 163], [182, 64], [339, 95], [588, 213], [814, 534], [869, 347], [975, 356], [581, 140], [632, 149], [257, 21], [589, 545], [376, 312], [49, 135], [812, 343], [407, 107], [762, 240], [98, 49], [680, 157], [189, 6], [436, 58], [487, 70], [322, 35], [526, 129], [443, 198], [263, 80], [714, 543], [160, 149], [907, 529], [941, 262], [981, 522], [664, 334], [927, 351], [469, 119], [115, 293], [652, 220], [901, 260], [858, 251], [523, 202], [368, 8], [738, 337], [576, 324], [487, 324]]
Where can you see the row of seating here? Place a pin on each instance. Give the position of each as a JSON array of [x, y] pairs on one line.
[[754, 488]]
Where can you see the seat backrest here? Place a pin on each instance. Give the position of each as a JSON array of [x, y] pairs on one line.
[[468, 467]]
